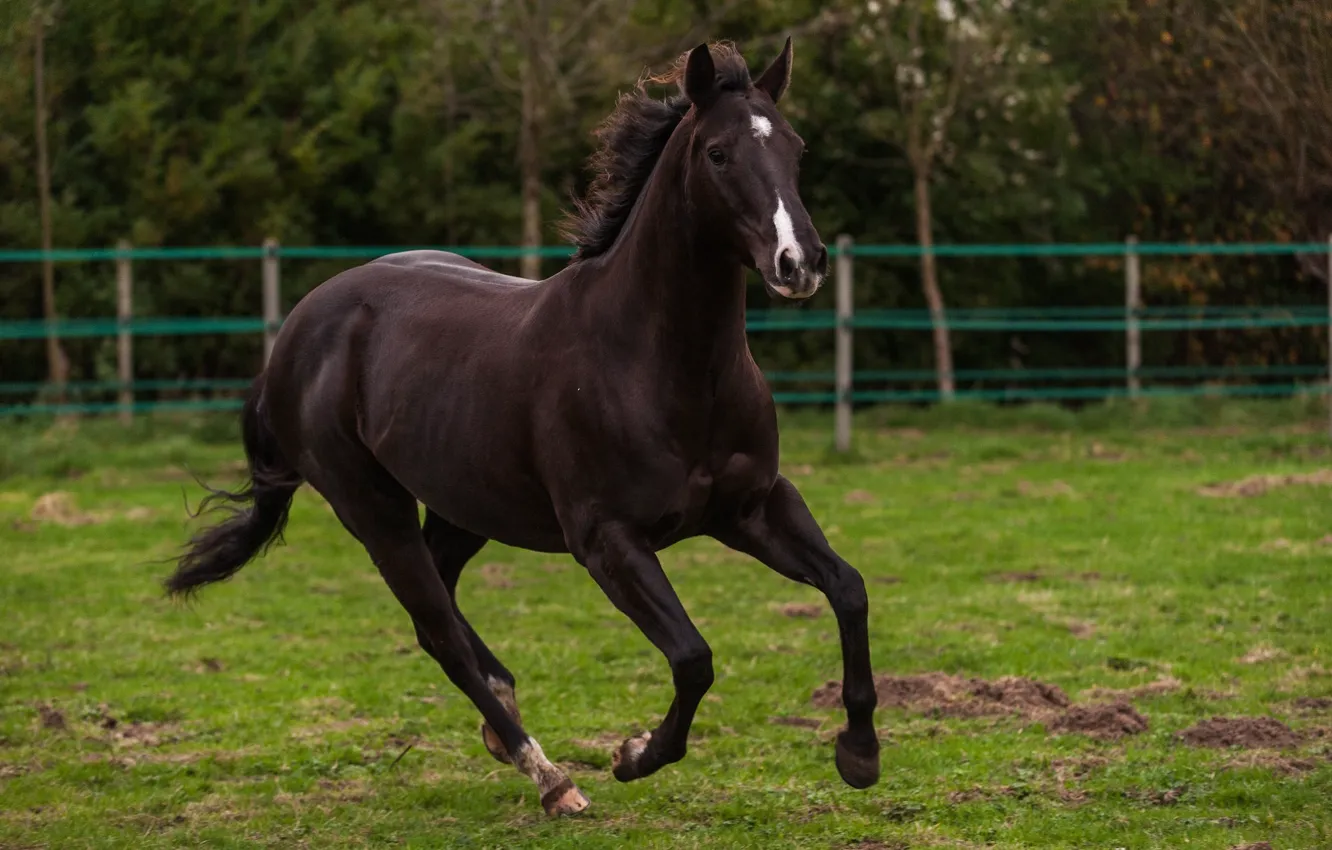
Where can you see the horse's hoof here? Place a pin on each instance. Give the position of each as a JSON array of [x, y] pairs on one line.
[[626, 762], [493, 745], [859, 770], [564, 799]]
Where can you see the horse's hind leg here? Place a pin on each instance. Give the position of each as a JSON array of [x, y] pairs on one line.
[[452, 547], [383, 516]]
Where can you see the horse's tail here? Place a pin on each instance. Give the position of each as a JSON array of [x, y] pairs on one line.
[[258, 511]]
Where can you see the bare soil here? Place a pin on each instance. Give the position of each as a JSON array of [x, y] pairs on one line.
[[1257, 485], [1314, 704], [1246, 732], [1106, 721], [946, 695]]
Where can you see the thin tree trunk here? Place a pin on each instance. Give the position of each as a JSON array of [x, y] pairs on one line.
[[529, 162], [929, 281], [56, 364]]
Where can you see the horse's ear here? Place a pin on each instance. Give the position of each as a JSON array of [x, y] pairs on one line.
[[700, 80], [778, 75]]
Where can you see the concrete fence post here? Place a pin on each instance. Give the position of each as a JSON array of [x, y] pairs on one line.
[[842, 356], [124, 335], [272, 301], [1132, 304]]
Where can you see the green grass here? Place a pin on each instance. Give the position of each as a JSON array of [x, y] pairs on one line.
[[279, 708]]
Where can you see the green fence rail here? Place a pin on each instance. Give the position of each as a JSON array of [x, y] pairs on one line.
[[497, 252], [986, 384]]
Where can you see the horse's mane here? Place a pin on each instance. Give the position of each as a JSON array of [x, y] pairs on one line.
[[631, 141]]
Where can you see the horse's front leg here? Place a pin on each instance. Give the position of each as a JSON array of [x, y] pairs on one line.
[[631, 577], [784, 535]]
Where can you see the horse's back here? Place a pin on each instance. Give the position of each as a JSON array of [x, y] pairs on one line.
[[454, 266]]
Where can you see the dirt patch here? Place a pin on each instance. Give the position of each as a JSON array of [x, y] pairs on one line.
[[798, 722], [946, 695], [887, 579], [877, 844], [1283, 765], [51, 717], [142, 734], [1257, 485], [1047, 490], [205, 665], [1156, 796], [802, 610], [1081, 629], [1076, 768], [1314, 704], [59, 508], [1107, 721], [860, 497], [943, 694], [1246, 732], [1014, 577], [1257, 845], [1163, 685], [1102, 452], [1261, 654], [496, 575], [604, 741], [975, 793]]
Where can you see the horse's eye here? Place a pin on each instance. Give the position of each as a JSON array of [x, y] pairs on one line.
[[717, 157]]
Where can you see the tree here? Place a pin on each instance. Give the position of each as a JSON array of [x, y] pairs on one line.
[[551, 56], [56, 362], [953, 63]]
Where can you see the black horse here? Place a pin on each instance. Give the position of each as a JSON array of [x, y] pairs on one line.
[[608, 411]]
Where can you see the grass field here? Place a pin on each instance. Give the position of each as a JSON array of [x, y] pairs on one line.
[[291, 706]]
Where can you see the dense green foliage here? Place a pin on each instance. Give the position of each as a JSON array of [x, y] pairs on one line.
[[291, 707], [351, 122]]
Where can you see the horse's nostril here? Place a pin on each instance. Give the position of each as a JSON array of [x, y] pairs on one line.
[[821, 262], [786, 264]]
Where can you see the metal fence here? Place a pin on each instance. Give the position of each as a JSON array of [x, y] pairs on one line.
[[1132, 319]]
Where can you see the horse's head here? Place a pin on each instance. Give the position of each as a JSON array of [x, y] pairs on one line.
[[744, 164]]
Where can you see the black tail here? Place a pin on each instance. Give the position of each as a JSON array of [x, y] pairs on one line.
[[258, 511]]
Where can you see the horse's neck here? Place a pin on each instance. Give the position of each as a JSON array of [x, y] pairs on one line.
[[668, 279]]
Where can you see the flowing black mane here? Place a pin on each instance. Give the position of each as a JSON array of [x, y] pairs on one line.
[[631, 140]]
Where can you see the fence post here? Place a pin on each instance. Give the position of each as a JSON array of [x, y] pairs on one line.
[[124, 339], [1132, 303], [842, 356], [271, 301]]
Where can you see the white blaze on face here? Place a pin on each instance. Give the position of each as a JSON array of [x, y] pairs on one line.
[[762, 127], [786, 241]]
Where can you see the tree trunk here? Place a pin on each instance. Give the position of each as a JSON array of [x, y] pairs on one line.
[[929, 281], [56, 364], [529, 162]]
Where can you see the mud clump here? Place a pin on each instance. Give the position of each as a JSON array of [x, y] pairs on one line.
[[1246, 732], [946, 695], [798, 722], [1257, 485], [1107, 721], [801, 610], [1016, 577], [1314, 703], [51, 717], [1163, 685]]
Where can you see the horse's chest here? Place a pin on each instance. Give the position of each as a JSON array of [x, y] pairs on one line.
[[704, 490]]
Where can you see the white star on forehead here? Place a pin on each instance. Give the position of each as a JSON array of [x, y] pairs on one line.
[[762, 127]]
